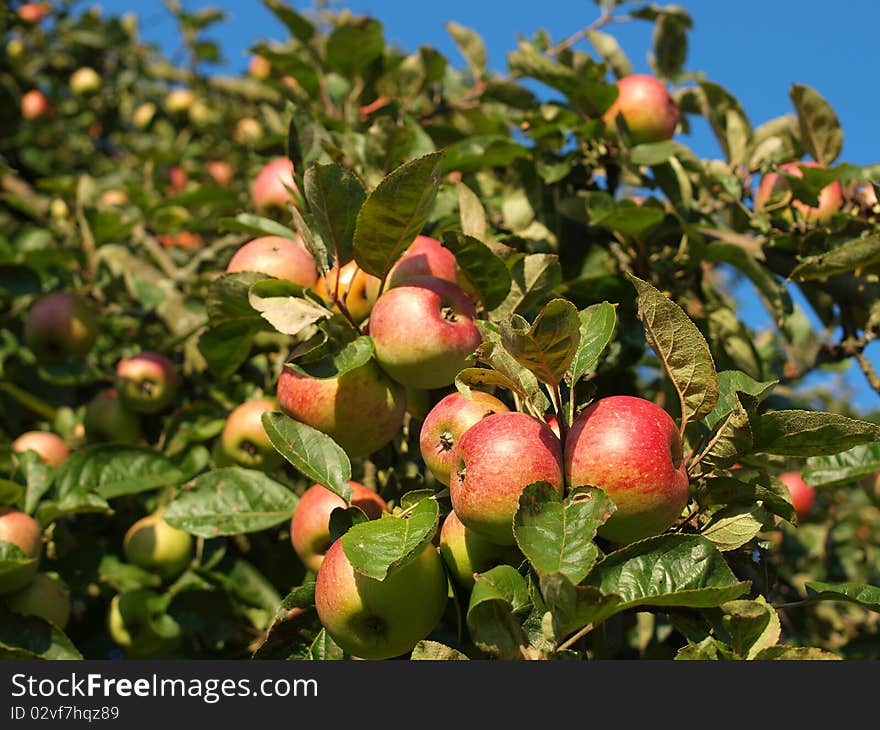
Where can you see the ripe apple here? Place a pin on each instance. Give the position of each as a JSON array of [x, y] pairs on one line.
[[185, 240], [259, 67], [179, 100], [446, 423], [424, 332], [107, 419], [650, 113], [85, 80], [60, 325], [177, 179], [135, 633], [221, 171], [154, 545], [803, 496], [34, 105], [247, 130], [269, 188], [33, 12], [466, 552], [631, 448], [146, 382], [425, 256], [494, 460], [49, 446], [773, 184], [276, 256], [310, 525], [374, 619], [21, 530], [44, 597], [244, 439], [357, 289], [361, 410]]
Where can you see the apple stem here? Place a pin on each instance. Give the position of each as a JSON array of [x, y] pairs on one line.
[[560, 416]]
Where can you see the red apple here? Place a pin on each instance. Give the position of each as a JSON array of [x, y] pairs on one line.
[[107, 419], [185, 240], [650, 113], [244, 439], [446, 423], [373, 619], [49, 446], [357, 289], [773, 184], [60, 325], [177, 179], [424, 332], [425, 257], [44, 597], [494, 460], [21, 530], [361, 410], [222, 172], [269, 188], [33, 12], [803, 496], [466, 552], [630, 448], [278, 257], [146, 382], [34, 104], [310, 525]]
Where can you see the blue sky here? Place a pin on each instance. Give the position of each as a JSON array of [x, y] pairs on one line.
[[754, 48]]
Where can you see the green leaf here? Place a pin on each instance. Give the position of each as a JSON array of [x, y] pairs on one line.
[[435, 651], [375, 548], [230, 502], [596, 328], [728, 121], [749, 487], [548, 345], [335, 195], [796, 653], [482, 152], [819, 125], [732, 527], [256, 226], [611, 52], [670, 42], [843, 468], [317, 456], [853, 255], [574, 607], [498, 598], [557, 536], [630, 220], [481, 266], [811, 433], [395, 213], [301, 28], [280, 304], [323, 648], [533, 279], [731, 382], [751, 626], [352, 47], [14, 560], [651, 154], [123, 577], [227, 346], [866, 596], [29, 637], [682, 350], [473, 216], [248, 584], [471, 46], [10, 492]]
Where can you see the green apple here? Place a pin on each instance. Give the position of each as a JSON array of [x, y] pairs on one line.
[[107, 419], [466, 552], [151, 543], [131, 623]]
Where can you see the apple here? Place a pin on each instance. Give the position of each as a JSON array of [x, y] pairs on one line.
[[446, 423], [58, 209], [773, 184], [466, 552], [494, 460], [269, 188], [177, 179], [221, 171], [185, 240], [362, 409], [650, 113], [259, 67], [357, 289], [279, 257], [49, 446], [310, 525], [143, 114], [60, 325], [247, 130], [114, 198], [21, 530], [130, 624], [154, 545], [108, 419], [34, 105], [425, 257], [424, 332], [32, 12], [373, 619], [244, 439], [803, 496], [44, 597], [146, 382], [179, 100], [85, 80], [630, 448]]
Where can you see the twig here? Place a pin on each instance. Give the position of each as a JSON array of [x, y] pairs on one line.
[[575, 638]]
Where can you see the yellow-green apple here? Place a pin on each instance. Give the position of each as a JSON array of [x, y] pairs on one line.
[[425, 256], [424, 332], [354, 287], [244, 439], [466, 552], [114, 197], [50, 447], [310, 524], [247, 130], [361, 410], [259, 67], [221, 171], [774, 185], [44, 597], [445, 424], [33, 12], [630, 448], [130, 624], [494, 460], [143, 114], [269, 188], [60, 325], [650, 113], [108, 419], [803, 496], [34, 105], [179, 100], [154, 545], [373, 619], [276, 256], [58, 209], [146, 382], [85, 80], [21, 530]]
